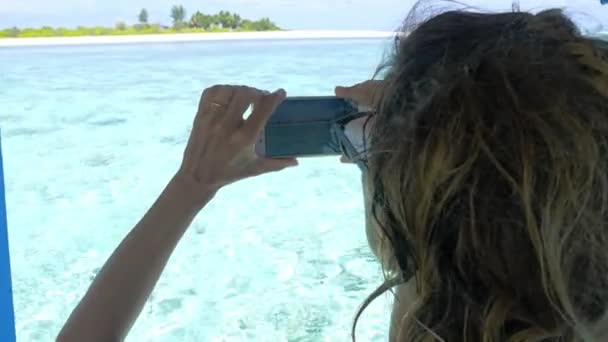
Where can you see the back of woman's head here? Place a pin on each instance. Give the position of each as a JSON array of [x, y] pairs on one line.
[[489, 163]]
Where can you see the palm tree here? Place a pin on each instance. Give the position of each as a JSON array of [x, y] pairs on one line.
[[215, 20], [246, 24], [143, 17], [236, 21], [200, 20], [225, 19], [264, 24], [515, 6], [178, 13]]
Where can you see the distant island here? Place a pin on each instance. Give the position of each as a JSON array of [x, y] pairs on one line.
[[199, 22]]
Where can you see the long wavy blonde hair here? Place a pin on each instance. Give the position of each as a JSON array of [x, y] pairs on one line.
[[489, 165]]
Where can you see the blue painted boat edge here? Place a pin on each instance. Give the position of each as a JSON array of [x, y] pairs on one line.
[[7, 312]]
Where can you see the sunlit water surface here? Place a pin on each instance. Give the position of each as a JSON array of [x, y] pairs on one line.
[[91, 134]]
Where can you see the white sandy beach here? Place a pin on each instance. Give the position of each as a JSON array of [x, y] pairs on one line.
[[191, 37]]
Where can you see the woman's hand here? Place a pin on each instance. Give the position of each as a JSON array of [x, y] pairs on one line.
[[220, 151], [365, 94], [221, 148]]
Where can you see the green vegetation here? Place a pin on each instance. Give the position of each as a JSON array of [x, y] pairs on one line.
[[143, 17], [223, 21], [178, 13]]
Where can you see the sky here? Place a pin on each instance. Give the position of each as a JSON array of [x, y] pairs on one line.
[[289, 14]]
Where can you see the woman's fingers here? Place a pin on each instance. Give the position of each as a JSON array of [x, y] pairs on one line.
[[262, 111], [221, 146], [364, 93], [344, 92], [243, 98], [213, 102], [273, 165], [218, 95]]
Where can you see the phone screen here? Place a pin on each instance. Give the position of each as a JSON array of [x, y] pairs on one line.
[[302, 127]]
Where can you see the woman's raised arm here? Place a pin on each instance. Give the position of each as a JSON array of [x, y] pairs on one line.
[[220, 151]]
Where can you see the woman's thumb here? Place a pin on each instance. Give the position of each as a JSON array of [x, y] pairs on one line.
[[344, 92], [272, 165]]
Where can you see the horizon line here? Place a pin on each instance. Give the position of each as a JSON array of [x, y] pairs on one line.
[[196, 37]]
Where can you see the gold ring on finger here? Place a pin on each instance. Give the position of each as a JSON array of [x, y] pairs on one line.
[[217, 107]]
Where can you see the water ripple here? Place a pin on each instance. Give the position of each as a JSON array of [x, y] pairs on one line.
[[25, 131], [108, 122]]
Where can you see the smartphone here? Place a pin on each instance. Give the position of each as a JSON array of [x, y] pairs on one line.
[[303, 127]]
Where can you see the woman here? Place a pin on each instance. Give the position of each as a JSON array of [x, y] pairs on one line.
[[486, 185]]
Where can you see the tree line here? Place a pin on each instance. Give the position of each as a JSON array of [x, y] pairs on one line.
[[222, 21]]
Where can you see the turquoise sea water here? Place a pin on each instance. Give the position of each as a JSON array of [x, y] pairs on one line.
[[91, 134]]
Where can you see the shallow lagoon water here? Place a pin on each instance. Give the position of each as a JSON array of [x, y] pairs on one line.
[[90, 136]]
